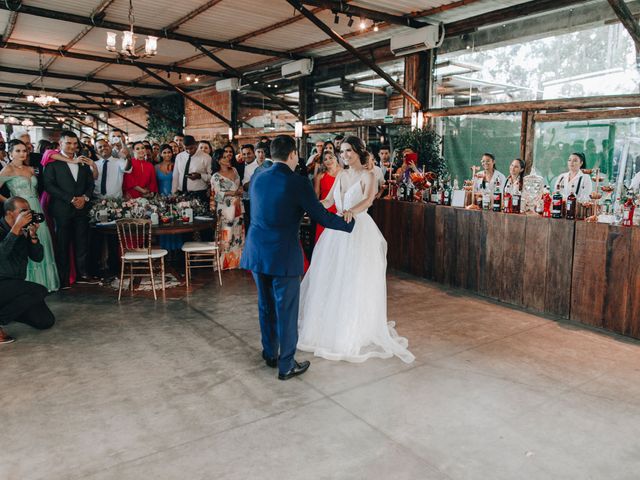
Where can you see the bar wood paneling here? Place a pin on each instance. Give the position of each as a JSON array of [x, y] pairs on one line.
[[589, 283], [535, 259], [559, 267], [430, 241], [515, 227], [589, 273]]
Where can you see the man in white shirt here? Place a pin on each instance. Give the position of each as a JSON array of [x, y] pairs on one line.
[[111, 171], [250, 165], [192, 171]]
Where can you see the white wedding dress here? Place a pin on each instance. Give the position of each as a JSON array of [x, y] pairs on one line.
[[343, 296]]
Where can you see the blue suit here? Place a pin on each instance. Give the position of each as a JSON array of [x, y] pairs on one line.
[[273, 253]]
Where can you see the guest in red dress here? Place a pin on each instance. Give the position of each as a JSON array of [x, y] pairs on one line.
[[323, 181], [141, 182]]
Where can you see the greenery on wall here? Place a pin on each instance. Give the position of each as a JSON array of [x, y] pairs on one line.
[[160, 128], [427, 144]]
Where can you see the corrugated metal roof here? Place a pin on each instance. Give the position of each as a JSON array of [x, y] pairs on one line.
[[43, 31], [155, 14], [78, 7]]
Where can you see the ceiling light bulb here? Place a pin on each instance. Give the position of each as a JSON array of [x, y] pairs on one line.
[[375, 27], [188, 78], [363, 25]]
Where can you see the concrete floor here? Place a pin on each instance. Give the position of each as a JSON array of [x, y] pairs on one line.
[[176, 390]]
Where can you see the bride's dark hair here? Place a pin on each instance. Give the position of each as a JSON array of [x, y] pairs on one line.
[[359, 148]]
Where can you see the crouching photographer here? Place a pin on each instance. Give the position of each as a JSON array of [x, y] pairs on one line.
[[20, 300]]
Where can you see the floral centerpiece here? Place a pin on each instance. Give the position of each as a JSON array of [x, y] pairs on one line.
[[168, 208]]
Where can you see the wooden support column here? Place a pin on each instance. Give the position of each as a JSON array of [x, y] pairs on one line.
[[234, 99], [529, 143], [416, 79], [523, 136]]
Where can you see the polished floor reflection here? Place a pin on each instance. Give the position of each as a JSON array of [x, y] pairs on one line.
[[176, 389]]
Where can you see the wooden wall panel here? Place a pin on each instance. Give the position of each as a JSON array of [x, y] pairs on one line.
[[589, 278], [633, 301], [535, 259], [417, 240], [559, 267], [430, 241], [494, 248], [513, 258], [616, 293]]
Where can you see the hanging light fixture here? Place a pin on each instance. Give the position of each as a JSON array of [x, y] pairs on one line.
[[128, 45], [43, 98], [11, 121], [27, 122]]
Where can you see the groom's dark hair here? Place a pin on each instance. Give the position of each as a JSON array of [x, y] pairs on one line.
[[281, 147]]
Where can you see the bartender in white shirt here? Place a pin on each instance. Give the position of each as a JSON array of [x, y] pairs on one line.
[[487, 180], [574, 180], [111, 171], [192, 171]]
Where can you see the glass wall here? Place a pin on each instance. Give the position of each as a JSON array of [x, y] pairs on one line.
[[466, 138], [613, 146], [594, 61]]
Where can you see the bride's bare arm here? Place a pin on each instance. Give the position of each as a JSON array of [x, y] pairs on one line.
[[329, 201], [369, 194]]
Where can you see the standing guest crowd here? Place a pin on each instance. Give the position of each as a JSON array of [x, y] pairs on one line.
[[46, 243]]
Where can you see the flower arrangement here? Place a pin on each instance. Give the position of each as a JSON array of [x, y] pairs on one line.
[[167, 207]]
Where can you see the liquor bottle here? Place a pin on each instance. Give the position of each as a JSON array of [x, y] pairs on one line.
[[434, 193], [456, 184], [571, 206], [628, 211], [556, 205], [447, 194], [497, 198], [508, 201], [516, 200], [402, 192], [546, 203], [410, 192], [441, 194]]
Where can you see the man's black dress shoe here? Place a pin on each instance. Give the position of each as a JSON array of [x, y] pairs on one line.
[[298, 369], [271, 362]]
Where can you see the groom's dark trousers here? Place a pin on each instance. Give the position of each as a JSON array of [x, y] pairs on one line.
[[272, 251]]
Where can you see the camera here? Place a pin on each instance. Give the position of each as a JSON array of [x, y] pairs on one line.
[[36, 218]]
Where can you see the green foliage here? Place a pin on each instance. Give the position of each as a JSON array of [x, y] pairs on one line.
[[427, 144], [159, 127]]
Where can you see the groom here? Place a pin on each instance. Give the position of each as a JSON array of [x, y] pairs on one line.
[[273, 253]]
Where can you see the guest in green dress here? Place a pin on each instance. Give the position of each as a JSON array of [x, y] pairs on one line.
[[22, 182]]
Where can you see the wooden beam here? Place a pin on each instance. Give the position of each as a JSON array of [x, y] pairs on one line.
[[100, 22], [23, 87], [628, 20], [113, 112], [367, 13], [632, 100], [523, 135], [64, 53], [80, 78], [342, 42], [530, 139], [192, 14], [186, 95], [587, 115], [234, 71]]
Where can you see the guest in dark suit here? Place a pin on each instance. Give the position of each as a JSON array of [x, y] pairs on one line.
[[273, 254], [70, 186]]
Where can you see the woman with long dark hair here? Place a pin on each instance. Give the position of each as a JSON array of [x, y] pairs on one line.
[[574, 180], [516, 176], [343, 297], [141, 181]]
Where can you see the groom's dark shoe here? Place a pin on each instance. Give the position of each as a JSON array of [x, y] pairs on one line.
[[298, 369], [271, 362]]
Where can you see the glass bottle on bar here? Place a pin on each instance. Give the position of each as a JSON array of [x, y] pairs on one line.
[[628, 210], [516, 199], [572, 202], [402, 191], [441, 193], [556, 205], [447, 194], [497, 198]]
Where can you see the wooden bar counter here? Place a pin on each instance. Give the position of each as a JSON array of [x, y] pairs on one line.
[[581, 271]]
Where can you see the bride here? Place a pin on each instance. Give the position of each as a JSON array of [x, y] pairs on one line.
[[343, 297]]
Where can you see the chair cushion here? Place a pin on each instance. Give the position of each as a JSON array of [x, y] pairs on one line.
[[155, 253], [199, 247]]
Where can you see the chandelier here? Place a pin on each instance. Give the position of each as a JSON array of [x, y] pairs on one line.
[[43, 99], [27, 123], [128, 48]]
